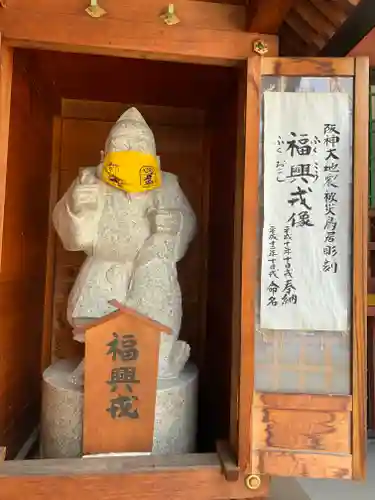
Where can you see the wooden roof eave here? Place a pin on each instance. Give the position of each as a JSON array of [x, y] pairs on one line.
[[316, 24], [359, 23]]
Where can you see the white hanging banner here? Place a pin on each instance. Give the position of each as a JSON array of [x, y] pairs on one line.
[[306, 250]]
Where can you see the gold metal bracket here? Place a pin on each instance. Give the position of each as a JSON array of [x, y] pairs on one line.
[[94, 10], [253, 482], [169, 17], [260, 47]]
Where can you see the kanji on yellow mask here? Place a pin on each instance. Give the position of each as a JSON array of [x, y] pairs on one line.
[[131, 171]]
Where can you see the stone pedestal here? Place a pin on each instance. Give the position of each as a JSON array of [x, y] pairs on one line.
[[62, 413], [176, 413], [62, 403]]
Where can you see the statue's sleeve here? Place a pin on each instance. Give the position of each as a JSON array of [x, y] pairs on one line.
[[154, 290], [172, 222], [77, 231]]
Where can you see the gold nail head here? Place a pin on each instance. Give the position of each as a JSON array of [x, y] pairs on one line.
[[253, 482], [169, 16], [94, 10], [260, 47]]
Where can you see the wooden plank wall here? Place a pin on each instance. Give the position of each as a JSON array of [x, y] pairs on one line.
[[215, 378], [23, 258], [302, 435]]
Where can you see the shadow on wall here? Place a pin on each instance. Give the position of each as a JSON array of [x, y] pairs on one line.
[[285, 488], [327, 489]]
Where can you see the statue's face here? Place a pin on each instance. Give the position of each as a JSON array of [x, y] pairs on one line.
[[129, 144]]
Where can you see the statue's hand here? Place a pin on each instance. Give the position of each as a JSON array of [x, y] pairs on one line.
[[85, 193]]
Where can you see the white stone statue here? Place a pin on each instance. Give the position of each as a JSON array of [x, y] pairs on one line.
[[133, 238]]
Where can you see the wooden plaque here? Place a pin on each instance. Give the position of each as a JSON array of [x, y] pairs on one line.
[[121, 364]]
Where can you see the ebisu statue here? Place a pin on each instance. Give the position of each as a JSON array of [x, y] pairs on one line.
[[134, 224]]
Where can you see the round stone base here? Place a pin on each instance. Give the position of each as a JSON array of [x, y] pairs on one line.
[[62, 404], [175, 425], [62, 412]]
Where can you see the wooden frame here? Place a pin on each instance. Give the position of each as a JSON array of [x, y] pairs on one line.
[[207, 37], [248, 259], [6, 72], [51, 240], [172, 475], [102, 478], [365, 47], [37, 25], [360, 255], [313, 402], [286, 66], [352, 466]]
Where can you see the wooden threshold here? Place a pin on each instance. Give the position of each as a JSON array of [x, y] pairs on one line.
[[131, 478]]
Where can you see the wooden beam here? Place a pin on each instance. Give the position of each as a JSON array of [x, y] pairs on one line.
[[356, 27], [302, 464], [248, 156], [6, 74], [366, 47], [347, 5], [104, 478], [192, 13], [313, 402], [129, 32], [330, 10], [317, 20], [360, 241], [228, 462], [305, 31], [51, 242], [292, 44], [295, 66], [266, 16]]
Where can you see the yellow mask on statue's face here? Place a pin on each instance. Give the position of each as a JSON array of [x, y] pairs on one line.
[[131, 171]]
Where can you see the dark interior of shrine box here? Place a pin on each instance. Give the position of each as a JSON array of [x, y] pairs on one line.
[[62, 108]]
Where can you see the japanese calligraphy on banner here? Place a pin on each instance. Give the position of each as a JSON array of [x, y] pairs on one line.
[[306, 248]]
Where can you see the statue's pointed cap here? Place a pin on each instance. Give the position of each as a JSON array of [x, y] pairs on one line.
[[131, 132], [132, 114]]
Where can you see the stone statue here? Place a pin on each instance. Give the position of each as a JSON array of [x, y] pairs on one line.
[[134, 224]]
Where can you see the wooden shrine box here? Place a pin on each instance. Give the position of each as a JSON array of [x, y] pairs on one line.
[[65, 77]]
